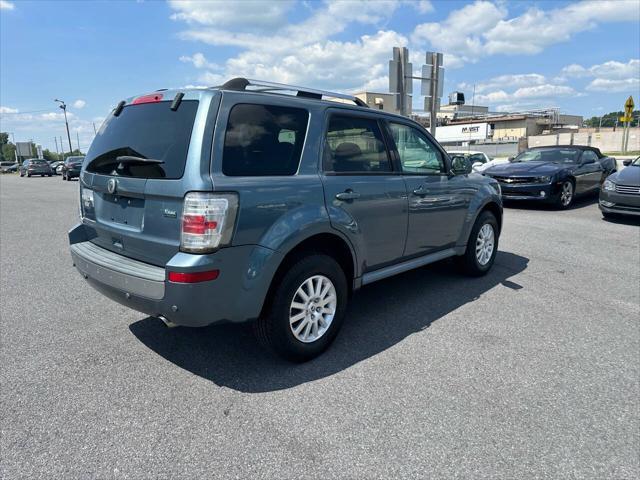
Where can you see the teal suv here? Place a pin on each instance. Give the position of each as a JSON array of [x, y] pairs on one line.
[[256, 201]]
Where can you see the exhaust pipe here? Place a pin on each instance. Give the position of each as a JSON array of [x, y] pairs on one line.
[[167, 322]]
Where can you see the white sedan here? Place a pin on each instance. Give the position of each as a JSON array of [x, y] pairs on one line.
[[479, 160]]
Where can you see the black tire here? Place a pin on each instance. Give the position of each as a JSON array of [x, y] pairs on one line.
[[469, 262], [48, 175], [22, 175], [28, 175], [64, 176], [273, 328], [560, 203]]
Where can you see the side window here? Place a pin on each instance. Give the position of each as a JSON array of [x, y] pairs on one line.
[[355, 145], [263, 140], [589, 156], [417, 153]]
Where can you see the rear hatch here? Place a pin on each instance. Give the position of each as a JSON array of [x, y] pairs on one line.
[[135, 172]]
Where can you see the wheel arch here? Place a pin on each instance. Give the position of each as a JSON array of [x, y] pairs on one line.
[[329, 243]]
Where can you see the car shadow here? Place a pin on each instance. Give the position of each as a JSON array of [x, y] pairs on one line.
[[623, 220], [379, 316]]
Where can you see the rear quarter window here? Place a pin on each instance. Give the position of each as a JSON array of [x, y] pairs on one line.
[[263, 140]]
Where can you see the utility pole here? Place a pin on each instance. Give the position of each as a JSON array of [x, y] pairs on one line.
[[61, 147], [78, 140], [55, 139], [63, 106]]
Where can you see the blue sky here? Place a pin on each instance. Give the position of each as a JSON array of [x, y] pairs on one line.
[[582, 57]]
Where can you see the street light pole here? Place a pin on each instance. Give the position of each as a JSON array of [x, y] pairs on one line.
[[63, 106]]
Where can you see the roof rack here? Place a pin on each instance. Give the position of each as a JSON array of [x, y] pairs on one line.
[[241, 84]]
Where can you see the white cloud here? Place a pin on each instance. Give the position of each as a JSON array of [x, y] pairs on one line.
[[6, 5], [302, 53], [8, 110], [483, 28], [199, 61], [527, 95], [79, 104], [423, 6], [506, 81], [631, 85], [249, 14], [461, 33], [611, 76], [610, 69]]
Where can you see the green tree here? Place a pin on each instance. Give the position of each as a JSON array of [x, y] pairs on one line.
[[7, 149], [608, 119]]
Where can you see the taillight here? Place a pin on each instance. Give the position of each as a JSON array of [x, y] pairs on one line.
[[87, 207], [207, 221]]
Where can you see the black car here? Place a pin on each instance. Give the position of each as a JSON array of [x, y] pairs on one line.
[[553, 174], [71, 167], [8, 167], [35, 166], [620, 193]]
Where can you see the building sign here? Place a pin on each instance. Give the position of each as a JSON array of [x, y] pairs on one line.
[[463, 133]]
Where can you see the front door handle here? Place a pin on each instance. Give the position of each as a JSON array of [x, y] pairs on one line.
[[348, 195], [421, 191]]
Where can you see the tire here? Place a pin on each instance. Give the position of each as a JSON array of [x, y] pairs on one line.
[[64, 176], [475, 262], [49, 175], [275, 328], [562, 201], [22, 175], [28, 175]]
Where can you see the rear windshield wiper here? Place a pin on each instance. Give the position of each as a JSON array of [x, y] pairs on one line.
[[133, 159]]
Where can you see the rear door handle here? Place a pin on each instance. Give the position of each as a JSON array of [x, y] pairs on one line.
[[421, 192], [348, 195]]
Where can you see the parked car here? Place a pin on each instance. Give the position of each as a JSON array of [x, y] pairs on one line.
[[553, 174], [475, 159], [8, 167], [54, 167], [620, 193], [71, 167], [35, 166], [227, 204]]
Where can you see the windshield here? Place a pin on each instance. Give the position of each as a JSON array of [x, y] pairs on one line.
[[148, 131], [636, 162], [555, 155]]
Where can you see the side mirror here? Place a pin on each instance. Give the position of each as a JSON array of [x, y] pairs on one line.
[[627, 162], [510, 159], [459, 165]]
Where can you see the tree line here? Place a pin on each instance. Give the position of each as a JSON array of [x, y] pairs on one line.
[[8, 151]]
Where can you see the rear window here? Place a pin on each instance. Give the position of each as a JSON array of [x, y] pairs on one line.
[[263, 140], [148, 131]]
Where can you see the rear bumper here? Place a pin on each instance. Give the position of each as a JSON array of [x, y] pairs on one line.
[[73, 173], [236, 295], [612, 202]]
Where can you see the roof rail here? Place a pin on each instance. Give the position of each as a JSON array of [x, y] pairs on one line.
[[241, 84]]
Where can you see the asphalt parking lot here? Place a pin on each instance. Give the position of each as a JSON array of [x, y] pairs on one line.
[[532, 371]]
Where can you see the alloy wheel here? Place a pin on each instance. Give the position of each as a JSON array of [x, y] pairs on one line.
[[567, 193], [485, 244], [312, 309]]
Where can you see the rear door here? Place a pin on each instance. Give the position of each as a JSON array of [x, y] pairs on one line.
[[365, 198], [137, 172]]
